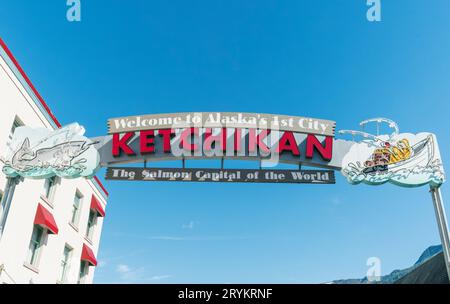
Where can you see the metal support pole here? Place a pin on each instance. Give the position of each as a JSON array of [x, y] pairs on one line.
[[442, 225]]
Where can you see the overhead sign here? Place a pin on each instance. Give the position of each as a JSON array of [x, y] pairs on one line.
[[225, 135], [221, 175], [403, 159]]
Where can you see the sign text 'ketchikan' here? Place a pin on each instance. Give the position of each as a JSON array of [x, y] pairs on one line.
[[228, 135]]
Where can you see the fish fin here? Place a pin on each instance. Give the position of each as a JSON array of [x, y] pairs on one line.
[[26, 143]]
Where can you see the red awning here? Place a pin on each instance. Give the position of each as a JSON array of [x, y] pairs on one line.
[[45, 219], [97, 206], [88, 255]]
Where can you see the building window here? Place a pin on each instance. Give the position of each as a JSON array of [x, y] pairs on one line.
[[1, 204], [49, 188], [92, 220], [5, 205], [65, 263], [84, 271], [76, 208], [2, 210], [35, 245], [17, 123]]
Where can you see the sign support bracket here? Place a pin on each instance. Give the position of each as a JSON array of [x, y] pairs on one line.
[[442, 225]]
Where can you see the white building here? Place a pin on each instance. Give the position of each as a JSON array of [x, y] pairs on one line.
[[50, 229]]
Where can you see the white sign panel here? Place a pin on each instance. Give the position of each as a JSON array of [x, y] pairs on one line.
[[406, 159]]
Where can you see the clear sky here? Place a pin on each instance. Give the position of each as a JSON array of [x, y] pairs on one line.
[[316, 58]]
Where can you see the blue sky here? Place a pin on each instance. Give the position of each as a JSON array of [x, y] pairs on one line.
[[317, 58]]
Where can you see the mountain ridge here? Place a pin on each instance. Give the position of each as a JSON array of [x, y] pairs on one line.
[[396, 274]]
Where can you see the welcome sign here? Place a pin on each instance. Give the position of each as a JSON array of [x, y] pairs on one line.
[[223, 135], [403, 159]]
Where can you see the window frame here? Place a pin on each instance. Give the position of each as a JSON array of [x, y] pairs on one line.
[[17, 122], [34, 254], [65, 263], [75, 215], [50, 189], [90, 230], [84, 272], [2, 194]]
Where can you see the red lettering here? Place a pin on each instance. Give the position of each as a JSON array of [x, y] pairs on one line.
[[147, 141], [288, 143], [254, 140], [167, 135], [237, 140], [312, 143], [119, 144]]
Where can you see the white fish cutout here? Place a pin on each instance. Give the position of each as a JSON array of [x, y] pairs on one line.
[[42, 153]]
